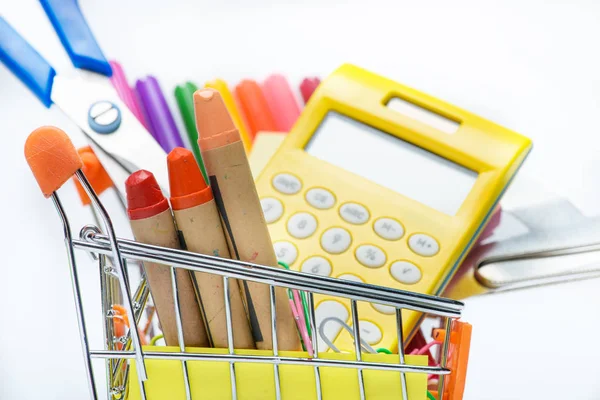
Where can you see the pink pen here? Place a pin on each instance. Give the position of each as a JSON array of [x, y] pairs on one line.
[[281, 101], [119, 82], [296, 306]]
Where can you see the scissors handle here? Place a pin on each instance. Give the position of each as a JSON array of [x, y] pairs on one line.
[[76, 36], [26, 63]]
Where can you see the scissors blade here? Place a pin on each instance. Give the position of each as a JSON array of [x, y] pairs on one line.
[[123, 143]]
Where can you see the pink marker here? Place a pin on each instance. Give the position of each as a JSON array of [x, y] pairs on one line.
[[119, 82], [281, 101], [308, 86]]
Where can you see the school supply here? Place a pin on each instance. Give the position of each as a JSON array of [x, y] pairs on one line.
[[546, 243], [129, 97], [264, 147], [308, 87], [399, 204], [245, 229], [160, 120], [200, 227], [152, 223], [234, 110], [255, 108], [222, 372], [282, 102], [184, 95], [120, 141]]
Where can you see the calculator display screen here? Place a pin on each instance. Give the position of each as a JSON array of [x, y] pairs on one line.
[[391, 162]]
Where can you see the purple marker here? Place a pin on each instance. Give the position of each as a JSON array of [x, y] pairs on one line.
[[162, 125]]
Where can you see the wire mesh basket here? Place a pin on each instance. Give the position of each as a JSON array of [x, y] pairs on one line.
[[148, 372]]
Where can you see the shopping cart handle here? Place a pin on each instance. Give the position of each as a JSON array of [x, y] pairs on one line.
[[26, 63], [76, 36]]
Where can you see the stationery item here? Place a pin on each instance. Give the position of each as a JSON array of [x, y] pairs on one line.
[[256, 381], [184, 94], [264, 147], [199, 223], [129, 97], [368, 221], [245, 228], [234, 111], [254, 106], [86, 99], [282, 102], [152, 223], [53, 159], [459, 346], [95, 173], [532, 249], [308, 86], [161, 122]]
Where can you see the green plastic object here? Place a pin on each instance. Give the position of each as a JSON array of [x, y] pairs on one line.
[[184, 94]]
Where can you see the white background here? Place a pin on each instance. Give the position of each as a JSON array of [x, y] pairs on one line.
[[532, 66]]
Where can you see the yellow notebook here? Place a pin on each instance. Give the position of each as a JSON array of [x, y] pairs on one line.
[[210, 379]]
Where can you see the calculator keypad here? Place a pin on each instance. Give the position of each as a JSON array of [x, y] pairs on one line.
[[350, 277], [302, 225], [317, 231], [320, 198], [388, 228], [336, 240], [287, 183], [330, 312], [272, 209], [354, 213], [316, 265], [370, 256], [405, 272], [424, 245], [369, 332], [285, 252]]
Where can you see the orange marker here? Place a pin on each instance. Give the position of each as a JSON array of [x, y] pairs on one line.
[[255, 107], [95, 173], [458, 357], [199, 222], [245, 228]]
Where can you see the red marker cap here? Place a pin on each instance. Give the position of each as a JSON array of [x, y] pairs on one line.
[[188, 188], [144, 197]]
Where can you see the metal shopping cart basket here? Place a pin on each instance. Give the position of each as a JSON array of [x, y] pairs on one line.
[[148, 372]]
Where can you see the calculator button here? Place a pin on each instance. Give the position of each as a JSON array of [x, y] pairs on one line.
[[350, 277], [384, 309], [301, 225], [287, 183], [388, 228], [405, 272], [370, 256], [272, 209], [336, 311], [369, 332], [285, 252], [320, 198], [423, 245], [336, 240], [316, 265], [354, 213]]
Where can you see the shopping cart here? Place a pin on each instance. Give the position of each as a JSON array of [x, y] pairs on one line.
[[173, 373]]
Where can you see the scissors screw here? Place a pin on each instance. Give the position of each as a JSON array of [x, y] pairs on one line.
[[104, 117]]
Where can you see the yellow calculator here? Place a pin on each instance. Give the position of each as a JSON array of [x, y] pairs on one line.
[[382, 184]]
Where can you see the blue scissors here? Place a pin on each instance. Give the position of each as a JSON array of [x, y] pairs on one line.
[[121, 142]]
